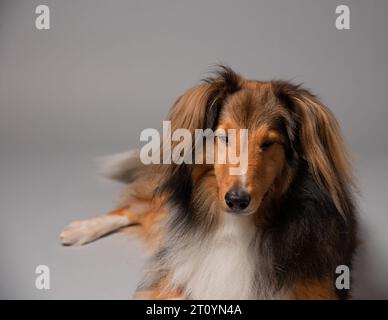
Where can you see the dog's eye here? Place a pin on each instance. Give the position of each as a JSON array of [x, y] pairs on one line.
[[223, 139], [266, 144]]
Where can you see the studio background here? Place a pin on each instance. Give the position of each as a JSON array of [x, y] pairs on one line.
[[108, 69]]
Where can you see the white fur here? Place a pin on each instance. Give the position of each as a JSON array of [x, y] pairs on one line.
[[84, 231], [113, 166], [222, 267], [243, 180]]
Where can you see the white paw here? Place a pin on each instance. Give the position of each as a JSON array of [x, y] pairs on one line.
[[83, 231], [78, 233]]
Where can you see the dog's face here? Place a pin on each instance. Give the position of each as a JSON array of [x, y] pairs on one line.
[[287, 126], [265, 170]]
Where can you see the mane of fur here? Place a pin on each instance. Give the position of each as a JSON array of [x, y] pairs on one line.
[[311, 229]]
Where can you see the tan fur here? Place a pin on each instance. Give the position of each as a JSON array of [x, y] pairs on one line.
[[265, 166], [314, 290], [149, 220], [161, 291], [267, 170], [323, 145]]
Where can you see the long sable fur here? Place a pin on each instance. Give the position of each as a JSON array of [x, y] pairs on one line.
[[311, 228]]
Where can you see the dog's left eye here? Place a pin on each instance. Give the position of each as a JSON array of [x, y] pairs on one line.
[[266, 144], [223, 139]]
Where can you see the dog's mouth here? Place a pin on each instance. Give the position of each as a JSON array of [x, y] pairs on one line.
[[240, 212], [251, 209]]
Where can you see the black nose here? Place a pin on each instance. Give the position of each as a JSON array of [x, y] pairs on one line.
[[237, 199]]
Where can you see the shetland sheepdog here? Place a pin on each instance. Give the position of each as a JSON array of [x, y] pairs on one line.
[[278, 231]]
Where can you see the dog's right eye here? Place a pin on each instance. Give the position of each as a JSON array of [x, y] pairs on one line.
[[223, 139], [265, 145]]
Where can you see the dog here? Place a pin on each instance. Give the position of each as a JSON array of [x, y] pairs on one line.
[[278, 231]]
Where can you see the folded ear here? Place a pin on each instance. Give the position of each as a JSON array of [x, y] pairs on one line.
[[320, 142], [198, 108]]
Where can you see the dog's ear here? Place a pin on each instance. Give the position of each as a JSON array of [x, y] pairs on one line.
[[320, 141], [198, 108]]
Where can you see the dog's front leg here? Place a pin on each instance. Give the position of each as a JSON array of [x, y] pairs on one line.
[[84, 231]]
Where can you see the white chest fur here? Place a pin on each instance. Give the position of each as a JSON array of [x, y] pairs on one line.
[[223, 265]]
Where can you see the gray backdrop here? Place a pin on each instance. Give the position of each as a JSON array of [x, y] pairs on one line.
[[108, 69]]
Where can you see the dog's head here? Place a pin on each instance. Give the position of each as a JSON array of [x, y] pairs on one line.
[[286, 124]]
